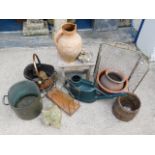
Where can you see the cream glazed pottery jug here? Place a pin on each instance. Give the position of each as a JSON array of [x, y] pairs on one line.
[[68, 42]]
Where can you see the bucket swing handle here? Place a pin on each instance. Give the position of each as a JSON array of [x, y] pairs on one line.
[[35, 56], [3, 100]]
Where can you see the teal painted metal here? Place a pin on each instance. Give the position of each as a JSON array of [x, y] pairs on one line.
[[86, 91], [25, 99]]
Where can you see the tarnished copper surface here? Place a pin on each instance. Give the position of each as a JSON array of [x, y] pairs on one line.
[[63, 100]]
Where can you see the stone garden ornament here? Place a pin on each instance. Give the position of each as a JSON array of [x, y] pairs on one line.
[[52, 116]]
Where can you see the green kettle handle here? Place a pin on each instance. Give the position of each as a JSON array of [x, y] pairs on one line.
[[67, 87]]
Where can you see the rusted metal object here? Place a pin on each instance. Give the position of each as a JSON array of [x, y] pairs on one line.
[[112, 81], [126, 107], [43, 75], [64, 101]]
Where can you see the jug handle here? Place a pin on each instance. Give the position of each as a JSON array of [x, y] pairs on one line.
[[34, 62], [3, 100], [57, 36]]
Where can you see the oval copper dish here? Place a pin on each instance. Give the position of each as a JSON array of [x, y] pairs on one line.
[[103, 88], [113, 79]]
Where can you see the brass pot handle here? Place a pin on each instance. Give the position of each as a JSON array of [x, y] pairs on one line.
[[35, 56]]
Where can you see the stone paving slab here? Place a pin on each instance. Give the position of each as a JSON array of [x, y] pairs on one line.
[[31, 29]]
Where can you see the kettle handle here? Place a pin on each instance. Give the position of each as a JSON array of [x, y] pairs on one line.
[[66, 84], [67, 87], [35, 56]]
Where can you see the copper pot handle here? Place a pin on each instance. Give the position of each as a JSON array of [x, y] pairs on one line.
[[35, 56]]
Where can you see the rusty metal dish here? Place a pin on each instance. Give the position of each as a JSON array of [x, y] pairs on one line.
[[63, 100], [112, 79]]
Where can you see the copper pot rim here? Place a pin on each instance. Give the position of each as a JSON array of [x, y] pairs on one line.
[[123, 90], [118, 101], [118, 73]]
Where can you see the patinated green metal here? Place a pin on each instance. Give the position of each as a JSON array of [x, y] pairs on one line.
[[85, 90], [24, 98]]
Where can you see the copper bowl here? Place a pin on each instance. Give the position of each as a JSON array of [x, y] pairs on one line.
[[112, 87]]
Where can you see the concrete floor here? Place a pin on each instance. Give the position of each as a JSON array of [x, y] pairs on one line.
[[95, 118]]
